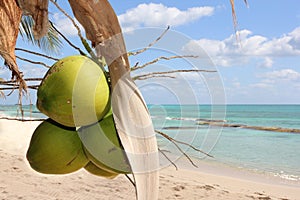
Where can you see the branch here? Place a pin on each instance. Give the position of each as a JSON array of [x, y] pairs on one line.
[[177, 146], [67, 40], [34, 87], [10, 92], [152, 74], [161, 58], [191, 146], [150, 45], [8, 84], [83, 40], [33, 62], [26, 79], [35, 53], [163, 153], [130, 180], [33, 79], [2, 95], [69, 17]]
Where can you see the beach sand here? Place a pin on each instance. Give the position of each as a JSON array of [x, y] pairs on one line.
[[19, 181]]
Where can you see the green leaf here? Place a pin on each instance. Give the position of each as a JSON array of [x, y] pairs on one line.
[[50, 43]]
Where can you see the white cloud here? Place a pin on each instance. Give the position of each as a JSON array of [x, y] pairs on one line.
[[159, 15], [261, 85], [267, 63], [295, 38], [284, 78], [229, 52], [64, 25], [284, 75], [236, 84], [273, 86]]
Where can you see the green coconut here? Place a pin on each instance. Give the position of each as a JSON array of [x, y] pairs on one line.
[[93, 169], [55, 149], [74, 92], [102, 146]]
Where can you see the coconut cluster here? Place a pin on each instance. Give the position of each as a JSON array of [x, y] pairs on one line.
[[80, 131]]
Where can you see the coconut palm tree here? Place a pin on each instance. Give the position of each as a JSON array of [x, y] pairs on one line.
[[100, 27]]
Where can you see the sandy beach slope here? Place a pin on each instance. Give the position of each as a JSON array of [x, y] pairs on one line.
[[19, 181]]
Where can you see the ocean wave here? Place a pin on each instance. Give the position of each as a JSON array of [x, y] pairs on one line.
[[193, 119], [26, 117], [14, 113], [175, 118], [169, 118], [154, 117], [4, 115], [285, 176], [22, 118], [184, 118]]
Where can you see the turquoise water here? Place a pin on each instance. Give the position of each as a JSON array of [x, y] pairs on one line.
[[267, 152], [14, 111]]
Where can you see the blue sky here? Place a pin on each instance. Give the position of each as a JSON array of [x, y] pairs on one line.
[[263, 66]]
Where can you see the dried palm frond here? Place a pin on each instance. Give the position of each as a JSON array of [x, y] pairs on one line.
[[38, 9], [235, 23], [10, 17]]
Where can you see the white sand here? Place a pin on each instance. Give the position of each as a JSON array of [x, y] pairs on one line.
[[19, 181]]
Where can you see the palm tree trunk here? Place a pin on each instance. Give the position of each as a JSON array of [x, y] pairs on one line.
[[132, 118]]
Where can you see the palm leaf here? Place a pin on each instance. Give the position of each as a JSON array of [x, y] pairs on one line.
[[234, 14], [50, 43]]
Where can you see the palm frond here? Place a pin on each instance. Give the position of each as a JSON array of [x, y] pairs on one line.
[[234, 14], [50, 43]]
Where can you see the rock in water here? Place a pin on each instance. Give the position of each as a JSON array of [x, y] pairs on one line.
[[93, 169], [74, 92], [55, 149], [102, 146]]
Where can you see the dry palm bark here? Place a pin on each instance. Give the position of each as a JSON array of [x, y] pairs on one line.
[[132, 119], [38, 9], [10, 17]]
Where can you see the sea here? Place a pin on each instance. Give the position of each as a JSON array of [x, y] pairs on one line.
[[263, 139]]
